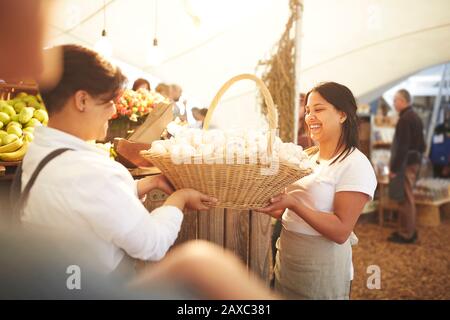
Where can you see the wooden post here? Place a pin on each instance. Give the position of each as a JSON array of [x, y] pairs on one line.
[[237, 231]]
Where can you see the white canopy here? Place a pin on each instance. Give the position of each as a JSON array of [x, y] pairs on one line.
[[368, 45]]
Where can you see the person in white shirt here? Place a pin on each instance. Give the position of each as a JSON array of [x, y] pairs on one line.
[[319, 212], [82, 192]]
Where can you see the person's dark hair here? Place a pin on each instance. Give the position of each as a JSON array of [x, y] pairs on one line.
[[343, 100], [139, 82], [84, 69], [405, 94], [203, 111]]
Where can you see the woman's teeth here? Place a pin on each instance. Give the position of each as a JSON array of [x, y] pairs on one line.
[[315, 126]]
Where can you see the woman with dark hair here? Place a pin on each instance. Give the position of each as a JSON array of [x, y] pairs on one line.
[[319, 212], [141, 84], [75, 188]]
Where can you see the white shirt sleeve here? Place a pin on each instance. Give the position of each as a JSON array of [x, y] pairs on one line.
[[112, 209], [358, 176]]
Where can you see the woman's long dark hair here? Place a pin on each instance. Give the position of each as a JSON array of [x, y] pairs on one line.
[[343, 100]]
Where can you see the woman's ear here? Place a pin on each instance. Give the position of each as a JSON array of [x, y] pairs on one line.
[[80, 100], [343, 117]]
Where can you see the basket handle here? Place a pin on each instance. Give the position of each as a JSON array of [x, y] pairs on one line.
[[272, 111]]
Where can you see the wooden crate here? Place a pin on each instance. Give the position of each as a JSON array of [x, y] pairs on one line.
[[429, 212]]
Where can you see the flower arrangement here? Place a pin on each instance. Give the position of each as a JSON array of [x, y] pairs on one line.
[[137, 104]]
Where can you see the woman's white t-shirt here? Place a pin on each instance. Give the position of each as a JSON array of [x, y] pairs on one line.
[[317, 190]]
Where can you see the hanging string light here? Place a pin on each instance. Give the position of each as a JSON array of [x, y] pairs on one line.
[[103, 45], [155, 54]]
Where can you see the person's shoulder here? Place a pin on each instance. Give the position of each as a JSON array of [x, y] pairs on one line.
[[79, 164], [356, 159]]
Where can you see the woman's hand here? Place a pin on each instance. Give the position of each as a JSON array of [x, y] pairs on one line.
[[160, 182], [278, 205], [190, 198]]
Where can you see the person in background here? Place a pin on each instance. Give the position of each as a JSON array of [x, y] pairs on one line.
[[303, 137], [199, 116], [141, 83], [178, 109], [406, 154], [163, 89]]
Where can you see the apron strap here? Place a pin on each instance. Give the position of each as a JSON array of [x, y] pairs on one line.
[[18, 198]]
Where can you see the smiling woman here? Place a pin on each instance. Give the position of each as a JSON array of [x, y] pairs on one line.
[[319, 212]]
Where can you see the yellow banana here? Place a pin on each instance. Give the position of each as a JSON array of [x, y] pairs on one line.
[[16, 155], [13, 146]]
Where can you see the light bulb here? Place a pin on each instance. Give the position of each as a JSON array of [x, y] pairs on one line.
[[104, 46], [155, 54]]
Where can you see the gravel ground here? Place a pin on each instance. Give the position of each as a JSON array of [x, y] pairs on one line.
[[408, 271]]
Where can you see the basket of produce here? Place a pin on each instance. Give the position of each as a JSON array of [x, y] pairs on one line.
[[18, 118], [243, 169]]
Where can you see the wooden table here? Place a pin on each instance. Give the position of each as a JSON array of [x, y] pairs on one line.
[[428, 213], [246, 233]]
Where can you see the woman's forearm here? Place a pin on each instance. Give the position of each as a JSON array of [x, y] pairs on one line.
[[144, 186], [328, 225], [176, 199]]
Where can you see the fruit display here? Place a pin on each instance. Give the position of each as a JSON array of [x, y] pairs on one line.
[[135, 104], [18, 118]]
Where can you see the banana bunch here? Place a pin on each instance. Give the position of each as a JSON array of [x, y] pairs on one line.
[[18, 118], [15, 151]]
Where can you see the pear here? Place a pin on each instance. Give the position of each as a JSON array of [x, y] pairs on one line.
[[33, 123], [26, 114], [15, 130], [2, 134], [41, 115], [8, 139], [5, 118], [6, 108], [14, 123], [18, 106]]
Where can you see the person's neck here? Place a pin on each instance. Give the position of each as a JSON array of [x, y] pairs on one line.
[[328, 149], [59, 122]]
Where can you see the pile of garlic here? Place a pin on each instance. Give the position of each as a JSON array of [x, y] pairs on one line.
[[209, 146]]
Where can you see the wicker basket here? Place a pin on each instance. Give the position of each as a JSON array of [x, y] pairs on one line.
[[236, 186]]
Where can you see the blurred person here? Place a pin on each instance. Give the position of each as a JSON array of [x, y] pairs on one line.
[[175, 95], [141, 83], [406, 156], [22, 56], [34, 264], [319, 211], [163, 89], [199, 116], [96, 198]]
